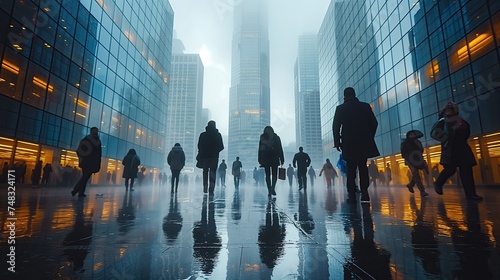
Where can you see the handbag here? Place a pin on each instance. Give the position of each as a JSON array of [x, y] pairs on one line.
[[439, 131], [281, 173]]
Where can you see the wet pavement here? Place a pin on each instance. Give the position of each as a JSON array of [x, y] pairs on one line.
[[241, 234]]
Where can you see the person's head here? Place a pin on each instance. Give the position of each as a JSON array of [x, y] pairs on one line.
[[450, 109], [94, 131], [131, 152], [289, 165], [349, 93], [373, 161], [411, 134], [223, 160], [301, 149], [177, 145], [211, 124], [388, 165], [327, 160], [268, 130]]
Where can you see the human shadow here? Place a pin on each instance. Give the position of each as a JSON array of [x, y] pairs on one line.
[[126, 214], [77, 241], [271, 236], [207, 242], [172, 222], [472, 246], [368, 259], [423, 239]]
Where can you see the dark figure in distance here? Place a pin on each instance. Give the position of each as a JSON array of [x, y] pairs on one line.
[[312, 175], [47, 169], [289, 173], [35, 176], [301, 161], [270, 157], [373, 172], [222, 173], [176, 159], [108, 177], [89, 157], [131, 164], [209, 146], [21, 173], [113, 177], [330, 173], [236, 171], [354, 127], [453, 132]]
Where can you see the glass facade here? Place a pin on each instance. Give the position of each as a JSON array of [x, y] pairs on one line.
[[249, 96], [185, 105], [71, 65], [307, 108], [407, 59]]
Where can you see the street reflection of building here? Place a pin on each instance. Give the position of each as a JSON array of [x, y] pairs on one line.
[[409, 59], [92, 63]]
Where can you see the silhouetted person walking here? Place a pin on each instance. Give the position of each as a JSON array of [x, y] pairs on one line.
[[453, 132], [289, 173], [236, 171], [354, 127], [312, 175], [411, 151], [89, 157], [209, 146], [176, 159], [35, 176], [222, 173], [330, 173], [47, 169], [301, 161], [373, 172], [131, 164], [270, 157]]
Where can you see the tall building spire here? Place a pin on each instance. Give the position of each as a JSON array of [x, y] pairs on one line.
[[249, 97]]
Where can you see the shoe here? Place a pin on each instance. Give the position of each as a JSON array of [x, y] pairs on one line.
[[423, 194], [73, 193], [438, 189], [132, 189], [410, 188], [205, 190], [475, 197], [300, 188], [82, 195], [273, 192]]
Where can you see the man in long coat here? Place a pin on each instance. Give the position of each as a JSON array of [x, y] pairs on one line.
[[209, 146], [89, 156], [354, 127]]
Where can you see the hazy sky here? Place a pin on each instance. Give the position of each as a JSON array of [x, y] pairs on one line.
[[205, 27]]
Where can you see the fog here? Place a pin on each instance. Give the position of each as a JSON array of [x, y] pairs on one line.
[[205, 27]]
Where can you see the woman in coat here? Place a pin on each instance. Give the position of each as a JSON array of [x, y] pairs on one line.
[[131, 164], [453, 132], [176, 159], [270, 157], [330, 173]]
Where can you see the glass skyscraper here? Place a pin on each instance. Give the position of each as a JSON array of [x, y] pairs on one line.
[[409, 58], [249, 97], [71, 65], [184, 111], [307, 108]]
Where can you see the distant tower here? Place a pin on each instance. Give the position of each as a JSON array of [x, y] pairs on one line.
[[307, 107], [184, 112], [249, 97]]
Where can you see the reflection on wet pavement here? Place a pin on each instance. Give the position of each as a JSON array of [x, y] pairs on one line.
[[242, 234]]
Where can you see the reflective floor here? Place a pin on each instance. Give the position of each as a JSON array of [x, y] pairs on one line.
[[241, 234]]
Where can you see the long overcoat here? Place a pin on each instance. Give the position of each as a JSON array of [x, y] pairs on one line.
[[354, 127]]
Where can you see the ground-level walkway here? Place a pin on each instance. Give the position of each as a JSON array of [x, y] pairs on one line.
[[151, 233]]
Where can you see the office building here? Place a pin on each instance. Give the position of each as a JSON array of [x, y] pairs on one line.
[[68, 67], [307, 107], [409, 59], [249, 97]]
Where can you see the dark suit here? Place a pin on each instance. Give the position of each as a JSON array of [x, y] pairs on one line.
[[354, 127]]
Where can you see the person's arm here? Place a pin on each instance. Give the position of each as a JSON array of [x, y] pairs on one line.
[[372, 120], [221, 144], [294, 161], [280, 150], [337, 123]]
